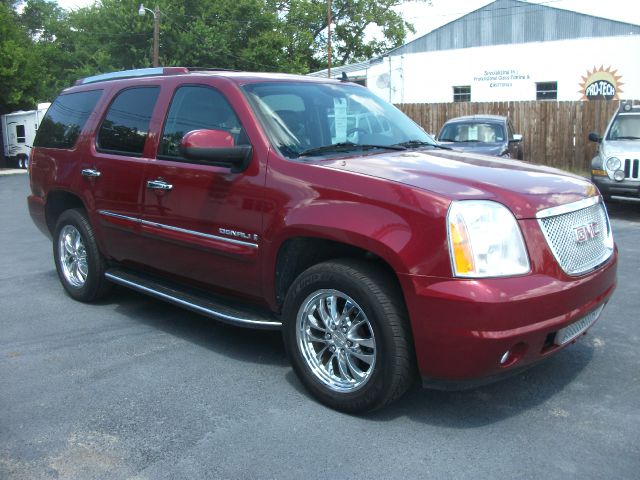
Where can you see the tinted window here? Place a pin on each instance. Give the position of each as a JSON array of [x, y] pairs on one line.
[[20, 133], [125, 128], [195, 108], [65, 119]]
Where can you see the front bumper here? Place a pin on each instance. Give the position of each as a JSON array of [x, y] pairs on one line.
[[608, 187], [463, 328]]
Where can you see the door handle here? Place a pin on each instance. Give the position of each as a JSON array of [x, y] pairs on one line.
[[90, 172], [159, 185]]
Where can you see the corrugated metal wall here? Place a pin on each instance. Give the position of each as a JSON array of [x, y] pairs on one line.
[[510, 21]]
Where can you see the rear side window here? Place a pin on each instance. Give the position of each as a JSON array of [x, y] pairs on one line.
[[126, 125], [20, 135], [194, 108], [65, 119]]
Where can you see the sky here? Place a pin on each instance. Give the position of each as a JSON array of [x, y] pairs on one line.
[[428, 15]]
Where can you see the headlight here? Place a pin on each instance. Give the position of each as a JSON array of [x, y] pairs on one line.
[[485, 240], [613, 164]]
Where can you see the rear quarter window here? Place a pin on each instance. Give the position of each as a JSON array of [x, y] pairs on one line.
[[65, 119]]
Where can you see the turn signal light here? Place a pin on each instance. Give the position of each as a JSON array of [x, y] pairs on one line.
[[462, 255]]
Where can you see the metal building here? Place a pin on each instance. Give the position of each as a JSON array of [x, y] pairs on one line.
[[509, 50]]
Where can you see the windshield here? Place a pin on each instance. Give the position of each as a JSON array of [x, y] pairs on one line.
[[482, 132], [312, 118], [625, 127]]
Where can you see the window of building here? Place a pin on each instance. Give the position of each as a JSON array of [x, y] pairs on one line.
[[126, 125], [195, 108], [462, 94], [65, 119], [20, 135], [547, 91]]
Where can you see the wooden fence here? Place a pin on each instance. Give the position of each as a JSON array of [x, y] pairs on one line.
[[555, 133]]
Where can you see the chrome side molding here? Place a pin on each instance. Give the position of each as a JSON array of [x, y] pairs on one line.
[[162, 226]]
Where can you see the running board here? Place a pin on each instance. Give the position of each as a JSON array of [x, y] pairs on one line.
[[209, 305]]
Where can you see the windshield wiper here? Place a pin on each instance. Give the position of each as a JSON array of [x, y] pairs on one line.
[[346, 147], [627, 138], [420, 143]]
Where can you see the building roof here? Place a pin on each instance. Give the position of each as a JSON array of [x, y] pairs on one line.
[[502, 22], [513, 21], [336, 72]]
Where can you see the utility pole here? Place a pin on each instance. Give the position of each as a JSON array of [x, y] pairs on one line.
[[329, 40], [156, 31], [156, 36]]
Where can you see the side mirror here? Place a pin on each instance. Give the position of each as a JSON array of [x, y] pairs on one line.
[[517, 137], [217, 148], [594, 137]]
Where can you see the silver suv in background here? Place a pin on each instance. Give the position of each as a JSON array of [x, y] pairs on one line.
[[616, 167]]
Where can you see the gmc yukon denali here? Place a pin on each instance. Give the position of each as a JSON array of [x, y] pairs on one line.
[[313, 207]]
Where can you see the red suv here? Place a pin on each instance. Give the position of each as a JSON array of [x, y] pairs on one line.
[[312, 206]]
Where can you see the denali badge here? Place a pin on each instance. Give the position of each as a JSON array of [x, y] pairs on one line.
[[237, 234], [586, 232]]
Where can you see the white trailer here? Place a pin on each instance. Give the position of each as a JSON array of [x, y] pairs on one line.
[[18, 132]]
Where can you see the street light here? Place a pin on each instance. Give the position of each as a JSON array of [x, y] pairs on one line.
[[156, 30]]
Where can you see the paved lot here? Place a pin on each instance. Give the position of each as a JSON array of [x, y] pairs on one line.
[[135, 388]]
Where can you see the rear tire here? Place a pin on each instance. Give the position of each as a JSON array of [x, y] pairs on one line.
[[79, 263], [347, 334]]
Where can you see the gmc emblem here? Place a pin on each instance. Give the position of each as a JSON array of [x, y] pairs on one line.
[[586, 232]]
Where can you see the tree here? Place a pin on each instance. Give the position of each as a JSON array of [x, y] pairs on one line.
[[44, 48], [352, 21], [17, 63]]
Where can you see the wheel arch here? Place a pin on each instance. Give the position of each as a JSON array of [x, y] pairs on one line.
[[296, 254], [57, 202]]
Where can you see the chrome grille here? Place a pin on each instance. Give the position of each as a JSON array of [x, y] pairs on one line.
[[570, 332], [632, 168], [578, 234]]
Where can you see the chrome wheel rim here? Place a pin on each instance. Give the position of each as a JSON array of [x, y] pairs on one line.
[[73, 256], [336, 340]]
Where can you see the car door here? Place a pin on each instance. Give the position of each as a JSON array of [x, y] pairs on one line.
[[113, 172], [202, 223]]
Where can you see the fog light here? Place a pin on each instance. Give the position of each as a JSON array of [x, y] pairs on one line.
[[513, 355], [505, 357], [618, 175]]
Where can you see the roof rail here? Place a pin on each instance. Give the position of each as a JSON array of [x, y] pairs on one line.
[[140, 72], [214, 69]]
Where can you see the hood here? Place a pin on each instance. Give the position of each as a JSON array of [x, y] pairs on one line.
[[523, 187], [611, 147], [494, 149]]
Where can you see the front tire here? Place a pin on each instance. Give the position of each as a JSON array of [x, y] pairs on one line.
[[79, 263], [347, 335]]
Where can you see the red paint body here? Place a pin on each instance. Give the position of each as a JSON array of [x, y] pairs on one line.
[[393, 205]]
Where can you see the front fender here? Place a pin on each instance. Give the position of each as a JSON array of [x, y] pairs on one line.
[[403, 225]]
